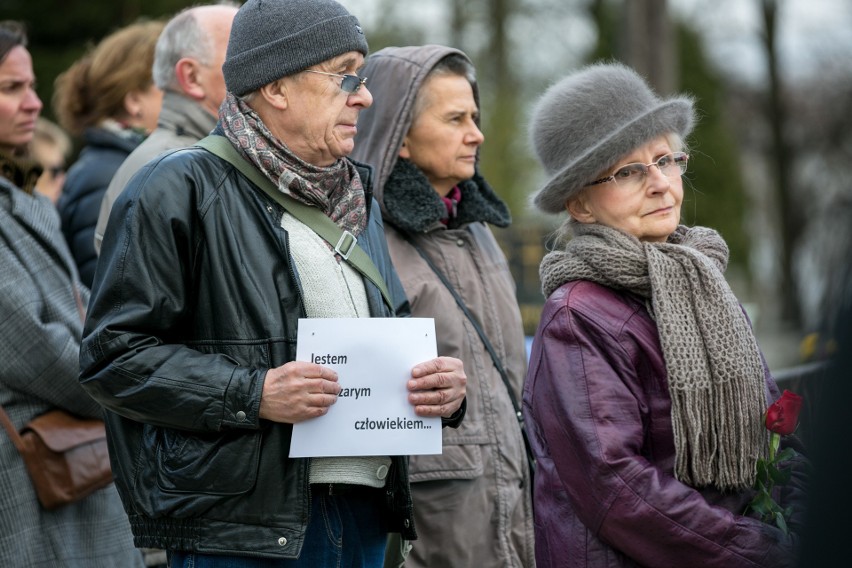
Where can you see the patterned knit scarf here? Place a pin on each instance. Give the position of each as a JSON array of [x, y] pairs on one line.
[[715, 371], [335, 190]]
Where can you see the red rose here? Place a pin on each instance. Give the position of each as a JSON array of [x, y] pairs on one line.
[[781, 419], [782, 416]]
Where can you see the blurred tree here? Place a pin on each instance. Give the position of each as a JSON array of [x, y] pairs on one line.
[[604, 13], [502, 122], [714, 188], [825, 177], [395, 26], [520, 47], [791, 222], [716, 195], [644, 19], [820, 141], [794, 131]]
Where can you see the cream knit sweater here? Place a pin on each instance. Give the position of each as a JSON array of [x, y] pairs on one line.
[[332, 289]]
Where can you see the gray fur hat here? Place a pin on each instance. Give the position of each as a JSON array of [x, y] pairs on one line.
[[271, 39], [584, 123]]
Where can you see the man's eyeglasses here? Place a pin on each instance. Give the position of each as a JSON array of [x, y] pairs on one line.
[[350, 83], [633, 175]]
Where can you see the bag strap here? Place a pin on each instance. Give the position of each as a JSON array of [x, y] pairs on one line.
[[490, 348], [10, 428], [81, 309], [345, 243]]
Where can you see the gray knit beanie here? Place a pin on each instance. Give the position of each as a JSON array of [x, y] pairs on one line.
[[271, 39], [584, 123]]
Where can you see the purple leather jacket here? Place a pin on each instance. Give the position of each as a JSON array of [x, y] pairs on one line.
[[597, 404]]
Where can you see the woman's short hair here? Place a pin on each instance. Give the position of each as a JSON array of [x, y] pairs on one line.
[[95, 86]]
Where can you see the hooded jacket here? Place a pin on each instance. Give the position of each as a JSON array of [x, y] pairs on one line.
[[480, 514], [196, 297]]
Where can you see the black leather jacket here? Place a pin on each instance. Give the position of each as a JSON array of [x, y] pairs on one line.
[[194, 298]]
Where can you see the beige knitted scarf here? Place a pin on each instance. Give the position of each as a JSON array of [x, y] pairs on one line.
[[715, 370]]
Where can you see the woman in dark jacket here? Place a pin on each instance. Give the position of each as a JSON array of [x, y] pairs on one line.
[[108, 97], [646, 386]]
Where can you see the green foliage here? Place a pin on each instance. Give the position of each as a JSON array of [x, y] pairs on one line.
[[605, 14], [505, 159], [714, 191]]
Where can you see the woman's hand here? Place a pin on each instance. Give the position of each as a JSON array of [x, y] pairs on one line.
[[437, 387]]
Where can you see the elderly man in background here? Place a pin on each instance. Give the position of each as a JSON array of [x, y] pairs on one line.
[[188, 69], [190, 343]]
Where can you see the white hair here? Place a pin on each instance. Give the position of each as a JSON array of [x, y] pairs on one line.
[[182, 37]]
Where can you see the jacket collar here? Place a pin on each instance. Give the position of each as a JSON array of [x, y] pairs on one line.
[[97, 136], [365, 172], [184, 116], [36, 215], [412, 204]]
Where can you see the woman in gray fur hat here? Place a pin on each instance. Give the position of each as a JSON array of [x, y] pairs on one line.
[[646, 386]]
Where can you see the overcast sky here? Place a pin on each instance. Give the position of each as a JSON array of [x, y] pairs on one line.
[[812, 32]]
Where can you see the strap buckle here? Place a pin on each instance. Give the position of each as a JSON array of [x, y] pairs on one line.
[[348, 240]]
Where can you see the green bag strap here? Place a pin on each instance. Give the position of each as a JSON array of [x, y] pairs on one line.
[[345, 244]]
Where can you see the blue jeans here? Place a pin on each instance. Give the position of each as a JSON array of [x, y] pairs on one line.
[[344, 531]]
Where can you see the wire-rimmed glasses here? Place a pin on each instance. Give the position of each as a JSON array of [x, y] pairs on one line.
[[349, 84], [633, 175]]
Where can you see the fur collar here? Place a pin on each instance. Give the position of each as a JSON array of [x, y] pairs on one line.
[[412, 205]]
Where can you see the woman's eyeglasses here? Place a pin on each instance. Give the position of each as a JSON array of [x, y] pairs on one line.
[[349, 84], [633, 175]]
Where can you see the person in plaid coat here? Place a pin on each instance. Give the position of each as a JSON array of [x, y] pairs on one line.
[[41, 303]]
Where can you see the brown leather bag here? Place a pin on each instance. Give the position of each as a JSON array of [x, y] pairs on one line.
[[66, 456]]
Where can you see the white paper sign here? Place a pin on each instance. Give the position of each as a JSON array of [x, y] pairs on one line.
[[373, 358]]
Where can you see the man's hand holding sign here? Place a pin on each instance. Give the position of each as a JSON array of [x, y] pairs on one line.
[[365, 386]]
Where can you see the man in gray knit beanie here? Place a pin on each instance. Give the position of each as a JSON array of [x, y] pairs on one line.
[[214, 253], [273, 39]]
